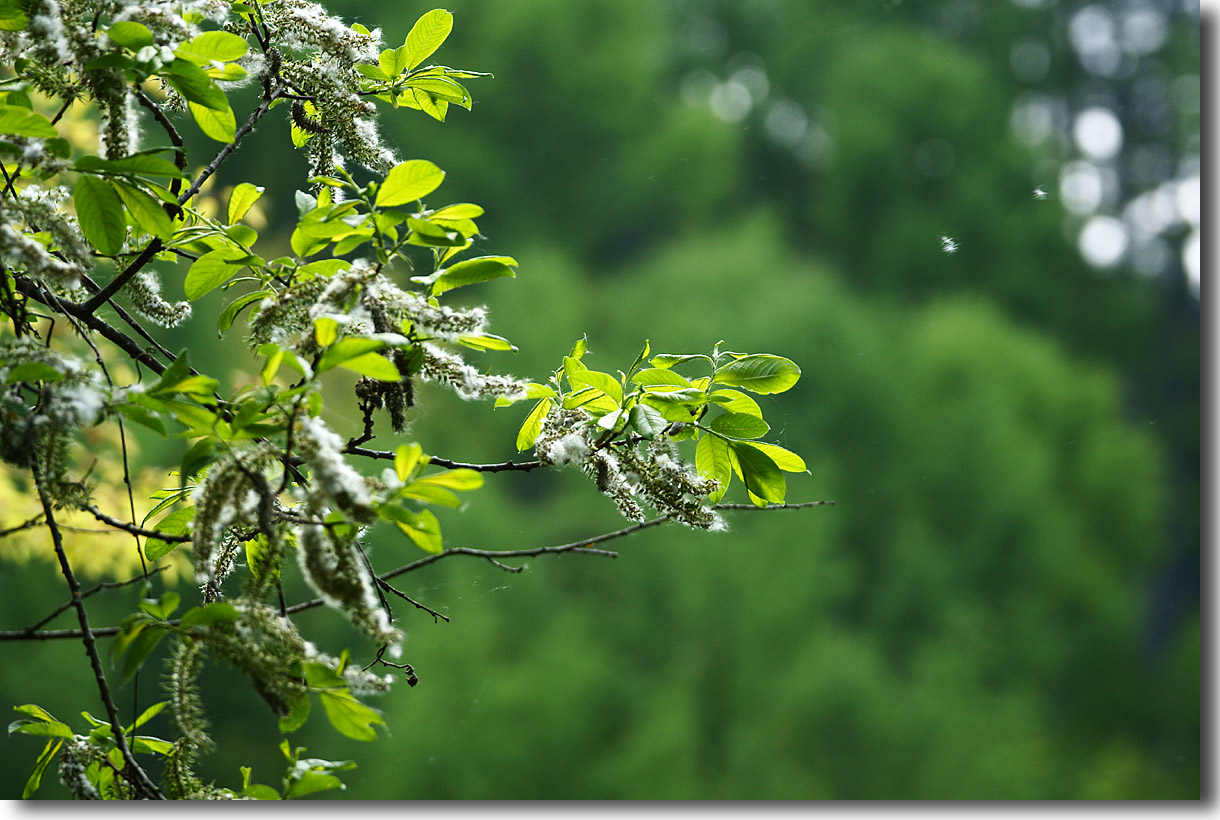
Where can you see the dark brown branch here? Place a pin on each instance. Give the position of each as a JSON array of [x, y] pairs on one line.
[[582, 547], [133, 529], [112, 287], [246, 128], [388, 455], [388, 588], [112, 334], [24, 525], [136, 774]]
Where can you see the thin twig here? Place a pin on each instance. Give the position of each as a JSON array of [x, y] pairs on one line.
[[24, 525], [389, 588], [582, 547], [388, 455], [92, 591], [138, 777], [133, 529]]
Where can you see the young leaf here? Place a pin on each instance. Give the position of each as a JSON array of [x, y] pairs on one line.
[[209, 272], [348, 715], [406, 456], [713, 460], [786, 460], [176, 523], [40, 765], [130, 35], [760, 373], [426, 36], [409, 181], [218, 46], [373, 365], [759, 473], [100, 213], [218, 123], [146, 211], [12, 17], [236, 306], [298, 713], [195, 85], [242, 198], [532, 426], [739, 425], [25, 123], [647, 421]]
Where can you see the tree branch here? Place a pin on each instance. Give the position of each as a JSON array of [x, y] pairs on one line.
[[137, 775], [581, 547], [133, 529], [112, 334], [388, 455]]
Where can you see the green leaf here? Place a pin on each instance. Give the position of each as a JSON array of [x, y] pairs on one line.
[[349, 716], [660, 376], [242, 198], [739, 425], [760, 373], [260, 791], [40, 765], [532, 426], [487, 341], [298, 713], [219, 46], [25, 123], [463, 479], [218, 123], [409, 181], [373, 365], [668, 360], [418, 98], [786, 460], [147, 715], [139, 415], [602, 382], [426, 36], [759, 473], [235, 307], [406, 456], [41, 729], [135, 164], [647, 421], [100, 213], [146, 211], [33, 372], [430, 494], [217, 612], [736, 402], [713, 460], [193, 83], [12, 17], [176, 523], [130, 35], [35, 711], [210, 271], [140, 648], [142, 744], [312, 782], [421, 527]]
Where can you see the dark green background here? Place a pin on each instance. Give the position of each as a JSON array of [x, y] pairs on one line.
[[1004, 601]]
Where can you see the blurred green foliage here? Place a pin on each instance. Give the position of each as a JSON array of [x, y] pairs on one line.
[[1003, 603]]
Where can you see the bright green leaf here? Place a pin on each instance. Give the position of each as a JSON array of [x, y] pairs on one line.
[[373, 365], [760, 373], [349, 716], [218, 123], [426, 36], [739, 425], [100, 214], [758, 472], [219, 46], [130, 34], [532, 426], [409, 181], [25, 123], [146, 211], [242, 198]]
